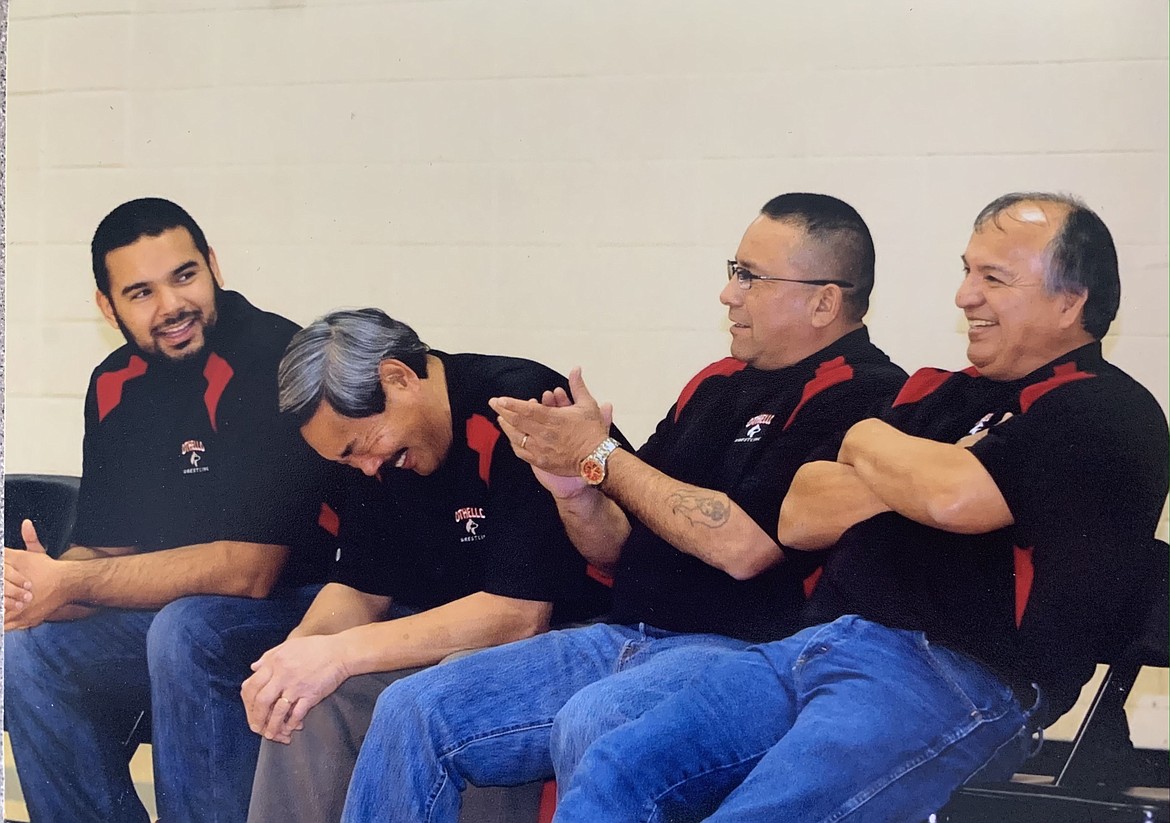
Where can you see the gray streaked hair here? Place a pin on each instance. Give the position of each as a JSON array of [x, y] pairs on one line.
[[1080, 258], [335, 359]]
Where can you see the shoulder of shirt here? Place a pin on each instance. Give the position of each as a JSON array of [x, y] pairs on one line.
[[500, 376], [726, 367], [118, 359], [255, 335], [926, 381], [1099, 384]]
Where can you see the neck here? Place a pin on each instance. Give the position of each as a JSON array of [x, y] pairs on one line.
[[439, 402]]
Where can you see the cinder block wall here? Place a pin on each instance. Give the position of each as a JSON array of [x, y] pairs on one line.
[[562, 180]]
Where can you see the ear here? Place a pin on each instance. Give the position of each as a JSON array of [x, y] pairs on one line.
[[1072, 308], [394, 375], [826, 306], [106, 308], [213, 264]]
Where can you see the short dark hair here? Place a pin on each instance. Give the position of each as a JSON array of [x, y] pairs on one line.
[[144, 217], [336, 358], [842, 233], [1081, 257]]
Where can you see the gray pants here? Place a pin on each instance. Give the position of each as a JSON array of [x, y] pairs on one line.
[[305, 781]]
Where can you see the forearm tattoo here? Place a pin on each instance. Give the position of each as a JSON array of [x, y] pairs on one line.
[[701, 508]]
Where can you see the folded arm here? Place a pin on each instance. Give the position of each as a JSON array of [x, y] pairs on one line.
[[942, 485], [824, 500]]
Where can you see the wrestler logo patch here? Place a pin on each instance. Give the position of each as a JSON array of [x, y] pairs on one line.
[[471, 517], [988, 420], [754, 429], [193, 450]]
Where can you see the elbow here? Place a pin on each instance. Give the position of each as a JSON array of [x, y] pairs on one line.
[[256, 583], [795, 532], [526, 622], [954, 511], [754, 560], [788, 530], [254, 586], [258, 569]]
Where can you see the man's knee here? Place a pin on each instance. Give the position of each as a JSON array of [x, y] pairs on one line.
[[21, 666], [182, 634], [587, 715]]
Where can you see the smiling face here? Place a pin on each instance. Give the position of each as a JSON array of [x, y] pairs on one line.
[[162, 294], [1014, 324], [412, 433], [771, 323]]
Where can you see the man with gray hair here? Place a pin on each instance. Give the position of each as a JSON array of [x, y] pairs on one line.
[[991, 530], [449, 545]]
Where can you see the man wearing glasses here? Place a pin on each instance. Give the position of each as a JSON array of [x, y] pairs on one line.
[[687, 527]]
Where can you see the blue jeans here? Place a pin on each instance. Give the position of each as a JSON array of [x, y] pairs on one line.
[[70, 689], [848, 720], [513, 714]]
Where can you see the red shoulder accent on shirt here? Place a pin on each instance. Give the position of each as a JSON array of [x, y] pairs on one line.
[[218, 372], [598, 575], [829, 373], [1064, 373], [724, 367], [482, 437], [810, 582], [109, 385], [328, 520], [1024, 574], [920, 384]]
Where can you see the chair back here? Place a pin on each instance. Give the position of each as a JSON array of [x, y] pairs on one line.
[[49, 500]]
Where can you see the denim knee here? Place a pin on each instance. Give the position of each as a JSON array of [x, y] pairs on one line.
[[180, 636], [21, 667], [580, 721]]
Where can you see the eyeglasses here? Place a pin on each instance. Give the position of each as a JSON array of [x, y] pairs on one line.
[[745, 278]]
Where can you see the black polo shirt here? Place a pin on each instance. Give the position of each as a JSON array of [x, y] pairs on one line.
[[481, 522], [1082, 465], [181, 453], [744, 431]]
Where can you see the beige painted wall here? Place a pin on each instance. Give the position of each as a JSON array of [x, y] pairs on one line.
[[562, 180]]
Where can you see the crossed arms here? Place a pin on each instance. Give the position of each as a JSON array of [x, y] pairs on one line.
[[879, 469]]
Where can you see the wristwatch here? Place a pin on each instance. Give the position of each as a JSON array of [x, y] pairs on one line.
[[593, 464]]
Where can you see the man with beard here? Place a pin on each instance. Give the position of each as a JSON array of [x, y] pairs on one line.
[[197, 534]]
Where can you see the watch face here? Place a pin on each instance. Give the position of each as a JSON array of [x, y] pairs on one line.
[[592, 470]]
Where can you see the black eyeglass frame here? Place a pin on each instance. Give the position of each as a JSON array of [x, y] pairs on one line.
[[746, 277]]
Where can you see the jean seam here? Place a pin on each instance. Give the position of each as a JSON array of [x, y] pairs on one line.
[[944, 672], [803, 657], [654, 801], [948, 740], [872, 790], [459, 745], [433, 797], [446, 753], [1017, 738]]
